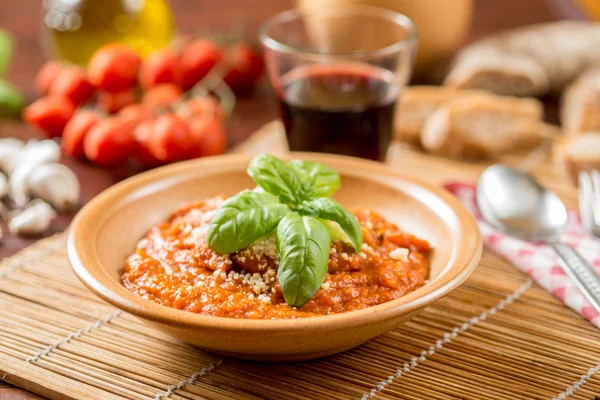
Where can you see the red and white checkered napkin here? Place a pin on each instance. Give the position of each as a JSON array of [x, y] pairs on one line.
[[538, 260]]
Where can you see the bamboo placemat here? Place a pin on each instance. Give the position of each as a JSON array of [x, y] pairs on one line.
[[498, 336]]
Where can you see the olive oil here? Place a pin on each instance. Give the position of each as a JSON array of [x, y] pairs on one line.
[[77, 28]]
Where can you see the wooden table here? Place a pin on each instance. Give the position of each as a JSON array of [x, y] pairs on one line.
[[251, 112]]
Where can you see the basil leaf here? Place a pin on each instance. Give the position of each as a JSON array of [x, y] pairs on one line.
[[243, 219], [11, 100], [303, 245], [318, 180], [326, 208], [275, 177], [6, 50]]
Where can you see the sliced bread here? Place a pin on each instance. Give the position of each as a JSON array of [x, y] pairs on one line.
[[481, 125], [416, 104], [575, 153], [580, 104]]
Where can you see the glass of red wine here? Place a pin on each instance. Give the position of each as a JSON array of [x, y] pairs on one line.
[[338, 72]]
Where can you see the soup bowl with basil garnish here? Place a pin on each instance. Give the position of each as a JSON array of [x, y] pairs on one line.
[[273, 258]]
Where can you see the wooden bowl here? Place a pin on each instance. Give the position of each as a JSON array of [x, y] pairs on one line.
[[108, 228]]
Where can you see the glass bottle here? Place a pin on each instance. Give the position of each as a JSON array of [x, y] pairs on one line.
[[75, 29]]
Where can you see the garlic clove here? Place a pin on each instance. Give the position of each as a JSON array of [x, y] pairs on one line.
[[3, 186], [9, 153], [56, 184], [38, 152], [34, 220], [18, 187], [34, 153], [4, 213]]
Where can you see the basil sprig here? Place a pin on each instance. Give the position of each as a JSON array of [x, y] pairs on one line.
[[303, 245], [294, 206], [243, 219], [319, 180], [275, 177], [326, 208]]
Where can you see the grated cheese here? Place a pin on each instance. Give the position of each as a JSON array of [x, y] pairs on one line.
[[400, 254], [264, 298], [265, 247], [260, 284]]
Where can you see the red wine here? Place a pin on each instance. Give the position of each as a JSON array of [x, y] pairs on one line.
[[343, 109]]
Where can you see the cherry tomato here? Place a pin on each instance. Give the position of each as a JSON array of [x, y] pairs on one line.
[[114, 102], [71, 82], [208, 135], [141, 134], [162, 95], [135, 113], [114, 68], [171, 139], [75, 132], [197, 59], [49, 114], [204, 105], [109, 143], [46, 76], [245, 67], [162, 66]]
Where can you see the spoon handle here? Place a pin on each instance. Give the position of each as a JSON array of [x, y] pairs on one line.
[[579, 271]]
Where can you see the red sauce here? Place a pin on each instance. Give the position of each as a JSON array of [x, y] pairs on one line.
[[173, 266]]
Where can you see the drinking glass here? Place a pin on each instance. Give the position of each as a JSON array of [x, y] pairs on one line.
[[337, 73]]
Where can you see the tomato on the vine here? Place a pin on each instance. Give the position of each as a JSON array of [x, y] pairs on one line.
[[245, 67], [162, 66], [114, 68], [75, 132], [109, 143], [197, 59], [49, 114], [208, 135], [170, 139]]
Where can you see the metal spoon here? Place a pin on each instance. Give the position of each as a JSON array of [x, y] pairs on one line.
[[514, 202]]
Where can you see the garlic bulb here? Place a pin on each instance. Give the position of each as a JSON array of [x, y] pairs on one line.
[[35, 153], [9, 153], [56, 184], [34, 220]]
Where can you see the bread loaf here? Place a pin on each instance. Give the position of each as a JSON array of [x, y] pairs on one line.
[[580, 104], [416, 104], [481, 125], [503, 74], [575, 153], [529, 61]]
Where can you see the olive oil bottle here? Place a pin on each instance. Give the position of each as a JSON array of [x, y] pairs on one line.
[[75, 29]]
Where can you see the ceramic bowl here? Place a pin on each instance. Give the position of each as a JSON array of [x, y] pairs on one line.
[[443, 26], [108, 228]]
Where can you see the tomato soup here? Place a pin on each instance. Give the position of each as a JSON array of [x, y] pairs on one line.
[[174, 266]]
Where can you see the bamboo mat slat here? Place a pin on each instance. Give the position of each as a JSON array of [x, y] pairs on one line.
[[498, 336]]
